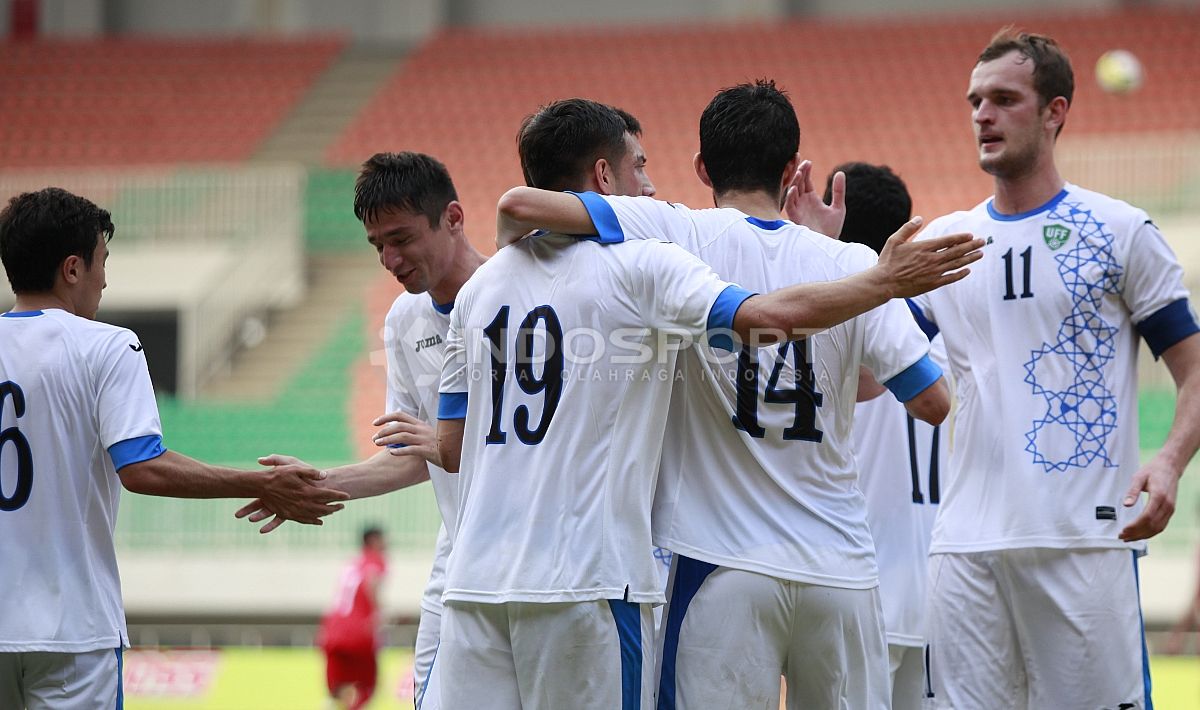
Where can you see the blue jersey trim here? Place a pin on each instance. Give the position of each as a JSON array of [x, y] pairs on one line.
[[21, 314], [443, 308], [1051, 204], [452, 405], [928, 327], [136, 450], [628, 617], [608, 227], [720, 316], [120, 678], [1167, 326], [417, 701], [915, 379], [689, 575], [766, 224], [1142, 623]]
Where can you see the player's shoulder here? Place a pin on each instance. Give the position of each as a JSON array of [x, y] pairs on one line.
[[407, 307], [1104, 208], [93, 335], [812, 248]]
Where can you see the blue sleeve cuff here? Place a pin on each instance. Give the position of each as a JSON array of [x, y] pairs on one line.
[[142, 448], [1167, 326], [720, 316], [915, 379], [928, 327], [452, 405], [607, 226]]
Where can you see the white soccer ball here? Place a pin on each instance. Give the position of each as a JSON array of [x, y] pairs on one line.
[[1118, 71]]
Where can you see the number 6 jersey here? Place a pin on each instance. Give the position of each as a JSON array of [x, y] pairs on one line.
[[75, 397], [1042, 340], [561, 356]]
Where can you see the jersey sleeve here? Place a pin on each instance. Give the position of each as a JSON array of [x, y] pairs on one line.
[[895, 349], [400, 394], [452, 393], [674, 290], [618, 219], [125, 407], [1154, 291]]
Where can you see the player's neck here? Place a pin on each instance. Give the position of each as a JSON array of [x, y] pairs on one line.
[[1028, 192], [754, 203], [466, 261], [41, 301]]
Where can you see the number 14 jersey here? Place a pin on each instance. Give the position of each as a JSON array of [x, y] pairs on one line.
[[1042, 340]]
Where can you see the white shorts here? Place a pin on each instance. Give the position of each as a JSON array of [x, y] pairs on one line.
[[591, 655], [39, 680], [908, 676], [426, 695], [730, 634], [1037, 628]]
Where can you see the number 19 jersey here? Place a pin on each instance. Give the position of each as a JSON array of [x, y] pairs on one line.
[[561, 357], [1042, 341]]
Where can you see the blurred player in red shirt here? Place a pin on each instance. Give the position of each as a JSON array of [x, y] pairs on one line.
[[349, 629]]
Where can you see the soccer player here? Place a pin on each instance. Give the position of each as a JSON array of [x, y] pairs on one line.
[[349, 633], [900, 459], [1033, 567], [547, 585], [78, 421], [410, 210], [758, 497]]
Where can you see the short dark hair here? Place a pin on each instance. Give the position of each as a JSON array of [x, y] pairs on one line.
[[632, 125], [748, 133], [560, 143], [412, 182], [371, 532], [1052, 73], [877, 203], [38, 230]]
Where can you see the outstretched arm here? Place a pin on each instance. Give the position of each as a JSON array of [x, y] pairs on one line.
[[905, 268], [524, 209], [1159, 478], [293, 491]]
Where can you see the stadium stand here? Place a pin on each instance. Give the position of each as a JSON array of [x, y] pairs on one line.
[[138, 101]]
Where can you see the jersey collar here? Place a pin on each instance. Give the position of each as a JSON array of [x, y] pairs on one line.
[[1049, 205]]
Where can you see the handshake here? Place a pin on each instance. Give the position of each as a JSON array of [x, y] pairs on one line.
[[291, 489]]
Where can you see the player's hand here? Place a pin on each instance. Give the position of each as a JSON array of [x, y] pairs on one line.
[[915, 267], [256, 511], [293, 491], [1161, 482], [405, 435], [804, 206]]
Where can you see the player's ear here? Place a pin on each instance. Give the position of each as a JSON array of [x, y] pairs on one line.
[[701, 171], [454, 216], [71, 269], [605, 180], [1056, 113]]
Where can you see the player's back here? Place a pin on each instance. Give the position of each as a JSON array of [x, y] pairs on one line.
[[758, 469], [66, 398], [563, 349]]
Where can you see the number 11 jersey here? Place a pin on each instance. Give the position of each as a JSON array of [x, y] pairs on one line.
[[1042, 341]]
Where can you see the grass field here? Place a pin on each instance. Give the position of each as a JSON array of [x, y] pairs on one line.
[[293, 679]]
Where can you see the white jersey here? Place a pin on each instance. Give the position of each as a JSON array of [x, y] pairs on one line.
[[901, 462], [1042, 340], [74, 395], [566, 412], [414, 338], [758, 467]]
